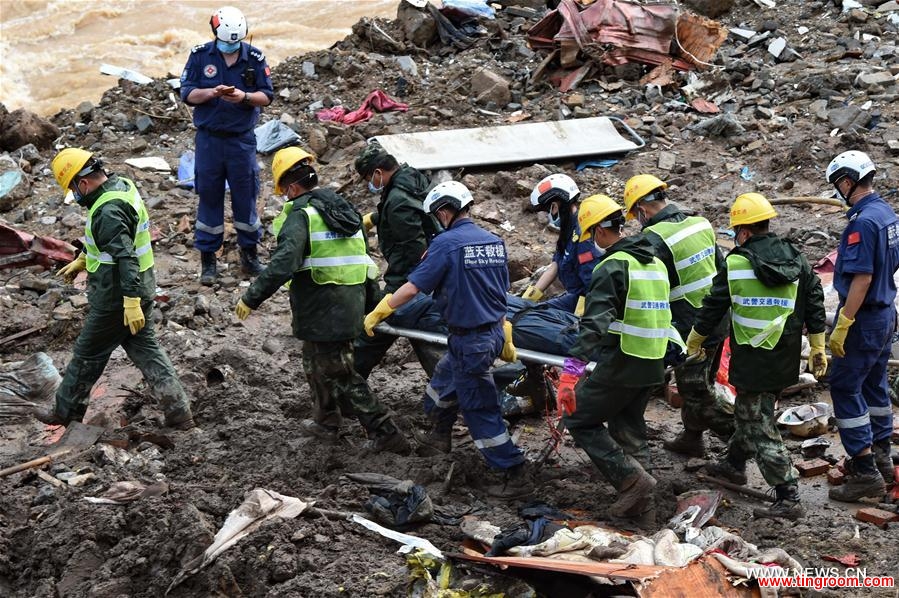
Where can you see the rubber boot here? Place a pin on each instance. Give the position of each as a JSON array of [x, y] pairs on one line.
[[386, 437], [209, 271], [515, 482], [433, 443], [688, 443], [786, 504], [863, 480], [883, 458], [727, 470], [312, 429], [50, 417], [249, 261], [182, 425], [634, 495]]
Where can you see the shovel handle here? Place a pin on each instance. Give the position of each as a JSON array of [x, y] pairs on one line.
[[23, 466]]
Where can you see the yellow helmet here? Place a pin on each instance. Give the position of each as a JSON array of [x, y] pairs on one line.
[[68, 163], [284, 160], [638, 187], [594, 210], [750, 208]]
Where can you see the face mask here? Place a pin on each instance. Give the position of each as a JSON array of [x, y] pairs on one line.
[[372, 187], [599, 249], [76, 193], [555, 221], [226, 47], [737, 238]]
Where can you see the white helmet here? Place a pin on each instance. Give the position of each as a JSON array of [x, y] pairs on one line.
[[228, 24], [854, 164], [452, 193], [555, 187]]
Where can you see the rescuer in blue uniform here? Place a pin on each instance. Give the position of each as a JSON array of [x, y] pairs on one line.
[[862, 336], [227, 82], [467, 271]]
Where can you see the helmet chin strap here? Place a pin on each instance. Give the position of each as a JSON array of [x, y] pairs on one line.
[[848, 196]]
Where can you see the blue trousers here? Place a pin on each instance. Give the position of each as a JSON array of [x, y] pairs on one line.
[[566, 302], [858, 382], [219, 159], [462, 382]]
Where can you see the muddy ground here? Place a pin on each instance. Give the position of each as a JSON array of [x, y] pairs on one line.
[[245, 378]]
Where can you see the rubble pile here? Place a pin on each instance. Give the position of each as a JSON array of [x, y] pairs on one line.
[[792, 84]]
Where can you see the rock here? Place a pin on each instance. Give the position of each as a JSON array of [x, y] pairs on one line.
[[848, 118], [667, 160], [762, 112], [580, 112], [48, 300], [63, 312], [417, 25], [287, 119], [84, 110], [317, 140], [487, 86], [28, 153], [271, 346], [777, 46], [857, 15], [21, 127], [78, 301], [15, 185], [407, 65], [723, 125], [201, 305], [575, 99], [308, 69], [48, 220], [893, 144], [710, 8], [139, 145], [819, 109], [73, 220], [143, 123], [866, 80]]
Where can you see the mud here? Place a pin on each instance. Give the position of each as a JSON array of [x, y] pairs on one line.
[[245, 378]]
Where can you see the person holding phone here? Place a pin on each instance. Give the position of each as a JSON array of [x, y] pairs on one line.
[[227, 81]]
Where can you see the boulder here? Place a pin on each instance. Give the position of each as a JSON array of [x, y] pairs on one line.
[[22, 127], [418, 27], [487, 86]]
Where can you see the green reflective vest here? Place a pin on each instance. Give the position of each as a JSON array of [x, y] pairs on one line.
[[759, 312], [646, 326], [142, 248], [692, 243]]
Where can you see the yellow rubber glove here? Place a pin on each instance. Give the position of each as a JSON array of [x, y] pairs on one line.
[[367, 223], [694, 345], [838, 336], [134, 315], [532, 293], [241, 310], [71, 270], [579, 308], [508, 353], [817, 360], [380, 313]]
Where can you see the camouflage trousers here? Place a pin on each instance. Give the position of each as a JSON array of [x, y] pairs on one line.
[[619, 450], [102, 333], [338, 391], [756, 437], [700, 411]]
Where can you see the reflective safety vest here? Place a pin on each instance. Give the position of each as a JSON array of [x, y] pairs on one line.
[[692, 243], [142, 248], [646, 326], [759, 312]]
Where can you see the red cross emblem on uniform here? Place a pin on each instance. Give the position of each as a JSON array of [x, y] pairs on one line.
[[209, 70]]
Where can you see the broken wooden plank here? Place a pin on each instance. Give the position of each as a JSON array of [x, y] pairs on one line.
[[23, 333]]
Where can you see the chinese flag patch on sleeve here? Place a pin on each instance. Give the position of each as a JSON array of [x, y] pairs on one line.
[[585, 257], [268, 71], [854, 238]]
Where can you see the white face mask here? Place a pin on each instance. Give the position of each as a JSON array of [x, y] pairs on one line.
[[599, 249]]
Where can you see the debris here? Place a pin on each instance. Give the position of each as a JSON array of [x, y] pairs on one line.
[[746, 174], [259, 506], [527, 142], [777, 46], [835, 477], [77, 437], [704, 106], [694, 509], [127, 74], [847, 560], [487, 87], [814, 447], [812, 467], [186, 170], [878, 517], [723, 125], [806, 420], [122, 493], [23, 384], [607, 163], [735, 487], [149, 163], [667, 160], [408, 542], [19, 249], [376, 101]]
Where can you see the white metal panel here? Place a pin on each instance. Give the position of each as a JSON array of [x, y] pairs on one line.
[[526, 142]]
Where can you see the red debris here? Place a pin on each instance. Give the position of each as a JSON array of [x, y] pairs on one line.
[[878, 517], [19, 249], [849, 560], [705, 106]]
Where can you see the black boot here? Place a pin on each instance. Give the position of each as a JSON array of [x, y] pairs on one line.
[[786, 504], [863, 480], [688, 443], [249, 261], [209, 272], [727, 470], [50, 417], [883, 458]]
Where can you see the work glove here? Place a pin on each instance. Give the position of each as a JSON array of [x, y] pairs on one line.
[[381, 312], [508, 353], [71, 270], [572, 372], [134, 315], [532, 293], [242, 310], [838, 336], [817, 361], [579, 308], [694, 346], [367, 223]]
